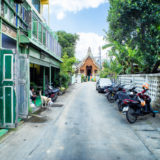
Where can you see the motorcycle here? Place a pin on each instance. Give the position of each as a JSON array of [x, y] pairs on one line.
[[138, 106], [52, 93], [125, 94], [111, 92]]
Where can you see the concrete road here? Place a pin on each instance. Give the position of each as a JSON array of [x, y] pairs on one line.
[[85, 128]]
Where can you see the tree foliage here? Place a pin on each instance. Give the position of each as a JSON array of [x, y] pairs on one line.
[[134, 33], [66, 70], [67, 42]]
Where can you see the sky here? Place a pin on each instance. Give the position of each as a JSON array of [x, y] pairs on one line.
[[87, 18]]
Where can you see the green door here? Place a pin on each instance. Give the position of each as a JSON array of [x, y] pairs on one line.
[[8, 107]]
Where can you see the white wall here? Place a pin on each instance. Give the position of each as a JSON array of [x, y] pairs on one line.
[[78, 78], [152, 79], [73, 79]]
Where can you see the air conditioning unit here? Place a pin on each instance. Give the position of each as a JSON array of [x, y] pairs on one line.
[[19, 1]]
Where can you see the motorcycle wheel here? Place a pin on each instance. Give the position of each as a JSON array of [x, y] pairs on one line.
[[120, 107], [54, 98], [130, 117], [111, 97]]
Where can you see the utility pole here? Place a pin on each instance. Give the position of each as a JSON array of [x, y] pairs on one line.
[[100, 57]]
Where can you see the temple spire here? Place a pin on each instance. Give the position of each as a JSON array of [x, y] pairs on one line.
[[90, 52]]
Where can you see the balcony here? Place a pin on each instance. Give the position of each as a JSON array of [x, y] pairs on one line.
[[44, 36], [14, 14], [33, 28]]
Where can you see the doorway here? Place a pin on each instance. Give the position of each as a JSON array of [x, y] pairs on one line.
[[89, 72]]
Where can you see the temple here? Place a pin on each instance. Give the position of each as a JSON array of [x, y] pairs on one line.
[[88, 67]]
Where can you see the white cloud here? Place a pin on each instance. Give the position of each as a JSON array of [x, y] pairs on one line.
[[60, 15], [89, 40], [60, 7]]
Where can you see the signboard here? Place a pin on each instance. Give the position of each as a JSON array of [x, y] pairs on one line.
[[9, 31], [44, 2]]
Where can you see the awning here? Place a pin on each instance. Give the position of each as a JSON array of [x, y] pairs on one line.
[[41, 62]]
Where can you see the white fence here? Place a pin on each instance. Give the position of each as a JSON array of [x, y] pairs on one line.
[[152, 79], [78, 78], [73, 79]]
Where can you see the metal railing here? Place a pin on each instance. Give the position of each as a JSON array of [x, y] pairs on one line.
[[22, 16]]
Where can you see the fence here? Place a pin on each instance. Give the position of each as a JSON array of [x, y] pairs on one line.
[[152, 79]]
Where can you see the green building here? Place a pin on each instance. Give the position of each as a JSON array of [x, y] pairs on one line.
[[30, 55]]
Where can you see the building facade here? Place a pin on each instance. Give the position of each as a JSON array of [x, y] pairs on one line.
[[29, 55], [88, 67]]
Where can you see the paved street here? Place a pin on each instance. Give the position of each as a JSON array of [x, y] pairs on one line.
[[87, 127]]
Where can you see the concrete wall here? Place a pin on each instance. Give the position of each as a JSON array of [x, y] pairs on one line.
[[73, 79], [152, 79], [78, 78]]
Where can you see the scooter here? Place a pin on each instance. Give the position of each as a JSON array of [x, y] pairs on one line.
[[125, 94], [111, 93], [138, 106], [52, 93]]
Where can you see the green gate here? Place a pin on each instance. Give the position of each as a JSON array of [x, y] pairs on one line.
[[8, 107]]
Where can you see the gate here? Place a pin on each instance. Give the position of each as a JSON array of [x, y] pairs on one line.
[[22, 67], [13, 88]]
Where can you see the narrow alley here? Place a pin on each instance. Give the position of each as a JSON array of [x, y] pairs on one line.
[[85, 128]]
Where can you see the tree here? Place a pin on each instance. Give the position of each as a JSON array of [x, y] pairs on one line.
[[66, 70], [124, 56], [111, 69], [135, 25], [67, 42]]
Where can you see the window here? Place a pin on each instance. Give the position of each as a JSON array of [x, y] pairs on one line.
[[36, 4], [40, 32], [82, 71], [34, 29], [44, 36]]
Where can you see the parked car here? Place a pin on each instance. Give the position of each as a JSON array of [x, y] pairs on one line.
[[102, 84], [97, 84]]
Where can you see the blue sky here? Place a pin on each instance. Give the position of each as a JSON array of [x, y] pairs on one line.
[[87, 18]]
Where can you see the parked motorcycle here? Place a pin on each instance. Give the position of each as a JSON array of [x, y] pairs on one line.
[[111, 92], [125, 94], [138, 106], [51, 92]]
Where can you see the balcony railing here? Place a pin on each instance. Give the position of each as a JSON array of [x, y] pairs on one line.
[[24, 17], [15, 14], [42, 34]]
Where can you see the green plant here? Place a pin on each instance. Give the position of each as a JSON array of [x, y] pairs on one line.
[[66, 70], [68, 42], [134, 35], [82, 78]]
